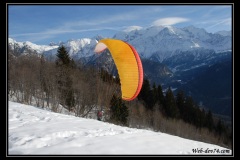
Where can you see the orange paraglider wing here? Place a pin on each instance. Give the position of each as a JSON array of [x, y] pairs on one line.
[[128, 64]]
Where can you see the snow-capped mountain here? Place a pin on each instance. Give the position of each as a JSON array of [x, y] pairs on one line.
[[160, 42], [164, 42], [26, 47], [76, 48], [171, 56], [179, 49]]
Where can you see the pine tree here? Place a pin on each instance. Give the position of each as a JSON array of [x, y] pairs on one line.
[[124, 114], [188, 114], [209, 120], [119, 111], [170, 104], [64, 81], [155, 94], [200, 117], [63, 57], [180, 101], [144, 91], [146, 94], [160, 95], [221, 128]]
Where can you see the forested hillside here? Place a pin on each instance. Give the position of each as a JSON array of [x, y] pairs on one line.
[[84, 90]]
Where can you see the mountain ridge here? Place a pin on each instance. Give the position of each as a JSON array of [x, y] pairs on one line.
[[171, 56], [165, 41]]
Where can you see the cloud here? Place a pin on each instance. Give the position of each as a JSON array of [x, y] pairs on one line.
[[169, 21], [59, 31], [114, 21], [131, 28], [69, 27]]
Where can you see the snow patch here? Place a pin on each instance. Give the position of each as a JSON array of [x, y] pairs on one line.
[[36, 131]]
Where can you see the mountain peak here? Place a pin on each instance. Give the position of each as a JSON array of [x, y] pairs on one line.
[[195, 30], [165, 41]]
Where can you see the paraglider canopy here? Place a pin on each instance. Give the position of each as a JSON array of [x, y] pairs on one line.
[[128, 64]]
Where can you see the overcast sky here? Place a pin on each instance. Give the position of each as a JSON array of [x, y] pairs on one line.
[[42, 24]]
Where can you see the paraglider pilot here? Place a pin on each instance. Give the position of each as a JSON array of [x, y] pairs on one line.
[[99, 115]]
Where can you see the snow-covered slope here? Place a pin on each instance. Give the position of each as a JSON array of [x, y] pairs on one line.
[[34, 131]]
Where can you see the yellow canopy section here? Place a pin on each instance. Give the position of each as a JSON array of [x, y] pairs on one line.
[[128, 64]]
